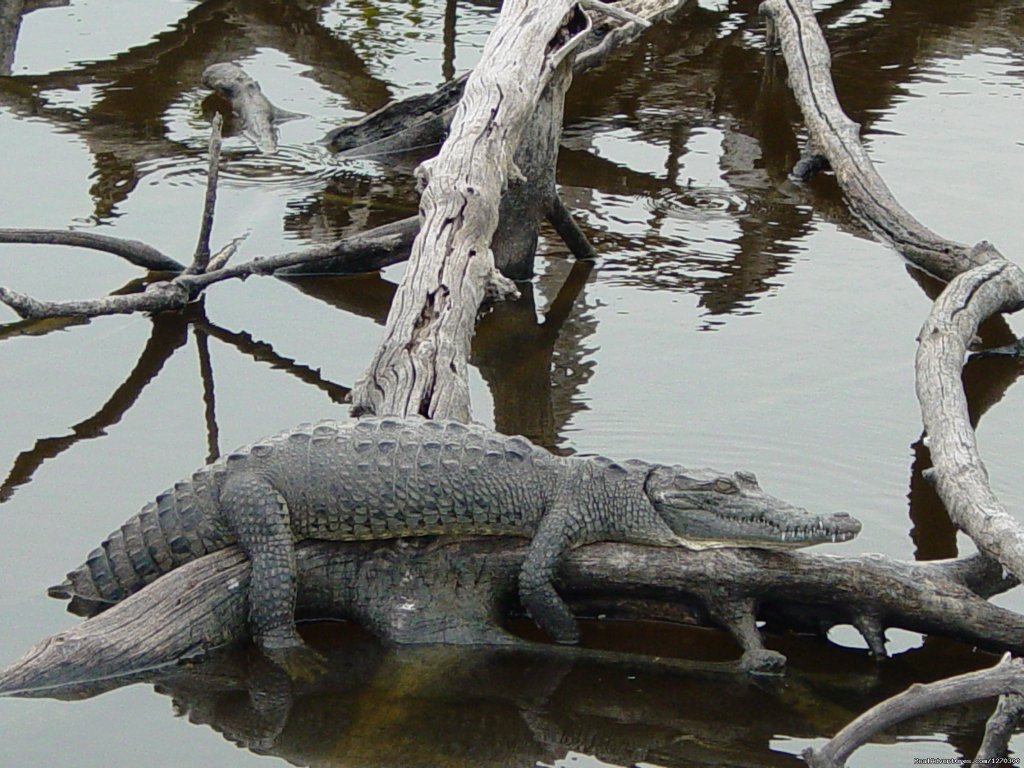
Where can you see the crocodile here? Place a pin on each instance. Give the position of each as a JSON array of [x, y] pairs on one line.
[[381, 478]]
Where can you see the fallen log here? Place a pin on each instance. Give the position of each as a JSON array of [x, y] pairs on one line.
[[415, 592], [835, 143]]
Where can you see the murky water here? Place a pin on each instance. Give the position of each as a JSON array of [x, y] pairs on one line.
[[734, 320]]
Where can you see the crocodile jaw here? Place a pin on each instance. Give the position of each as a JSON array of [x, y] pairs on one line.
[[700, 529], [707, 508]]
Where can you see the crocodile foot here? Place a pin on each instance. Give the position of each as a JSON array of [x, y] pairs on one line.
[[298, 660]]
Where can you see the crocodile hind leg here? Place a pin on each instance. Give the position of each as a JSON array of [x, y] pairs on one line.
[[556, 534], [258, 516]]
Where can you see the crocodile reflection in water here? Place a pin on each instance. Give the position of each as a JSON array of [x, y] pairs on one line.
[[491, 708]]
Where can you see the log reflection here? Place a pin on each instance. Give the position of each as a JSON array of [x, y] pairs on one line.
[[485, 707]]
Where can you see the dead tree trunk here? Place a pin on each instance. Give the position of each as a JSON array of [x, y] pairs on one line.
[[529, 199], [421, 365], [835, 143]]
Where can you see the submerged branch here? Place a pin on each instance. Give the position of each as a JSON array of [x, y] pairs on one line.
[[1006, 677]]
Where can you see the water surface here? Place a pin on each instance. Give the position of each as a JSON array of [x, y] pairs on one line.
[[734, 319]]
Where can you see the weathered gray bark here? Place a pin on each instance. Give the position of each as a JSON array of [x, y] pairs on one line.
[[374, 248], [420, 122], [836, 138], [998, 286], [1000, 728], [959, 474], [1008, 675], [201, 256], [10, 24], [133, 251], [983, 283], [458, 592], [530, 197], [366, 251], [420, 366]]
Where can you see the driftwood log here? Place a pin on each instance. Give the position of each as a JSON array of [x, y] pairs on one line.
[[460, 592], [982, 283], [959, 475], [835, 143]]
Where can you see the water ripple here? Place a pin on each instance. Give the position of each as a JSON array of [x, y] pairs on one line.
[[697, 203]]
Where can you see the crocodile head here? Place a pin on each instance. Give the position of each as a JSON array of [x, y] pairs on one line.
[[707, 508]]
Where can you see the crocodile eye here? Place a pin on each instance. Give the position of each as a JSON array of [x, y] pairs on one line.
[[724, 485]]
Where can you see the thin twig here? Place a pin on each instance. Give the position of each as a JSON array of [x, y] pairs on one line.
[[615, 12], [220, 259], [201, 258], [138, 253]]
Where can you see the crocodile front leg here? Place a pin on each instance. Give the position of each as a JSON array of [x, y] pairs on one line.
[[259, 518], [555, 535]]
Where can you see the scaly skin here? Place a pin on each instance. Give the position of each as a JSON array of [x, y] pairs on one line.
[[388, 478]]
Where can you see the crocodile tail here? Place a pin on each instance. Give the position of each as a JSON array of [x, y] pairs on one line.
[[167, 533]]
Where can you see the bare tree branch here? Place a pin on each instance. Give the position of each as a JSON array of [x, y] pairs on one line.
[[201, 258], [1006, 676], [836, 138], [960, 476], [366, 251], [1000, 728], [138, 253]]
